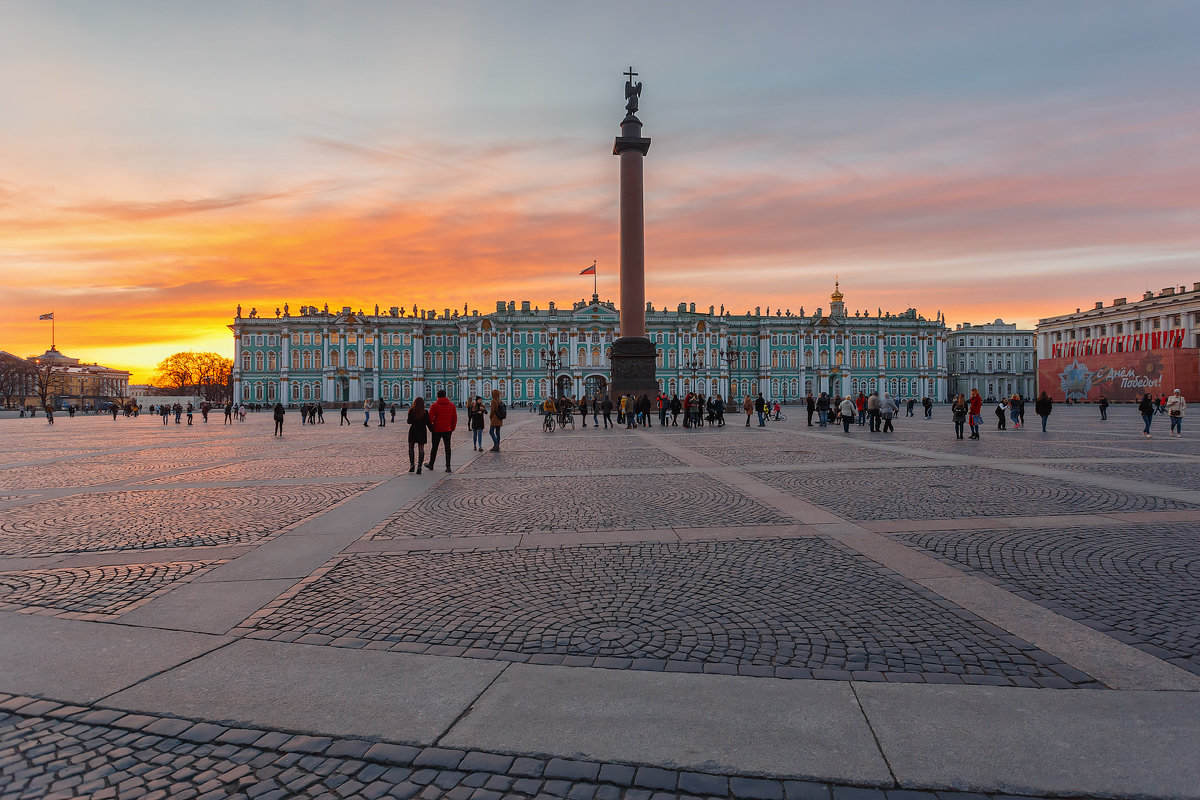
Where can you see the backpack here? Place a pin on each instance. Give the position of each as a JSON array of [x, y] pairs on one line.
[[501, 411]]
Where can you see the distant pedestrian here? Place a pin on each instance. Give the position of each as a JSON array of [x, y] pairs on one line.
[[927, 404], [1175, 408], [189, 413], [760, 407], [887, 411], [1001, 414], [366, 413], [178, 409], [498, 412], [229, 413], [848, 410], [958, 412], [443, 419], [50, 414], [382, 408], [165, 412], [320, 414], [345, 419], [1103, 408], [418, 427], [475, 414], [392, 409], [1014, 410], [873, 415], [279, 412], [606, 406], [204, 408], [912, 401], [975, 412], [1043, 406], [1146, 409]]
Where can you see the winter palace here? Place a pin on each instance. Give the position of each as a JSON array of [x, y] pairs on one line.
[[350, 357]]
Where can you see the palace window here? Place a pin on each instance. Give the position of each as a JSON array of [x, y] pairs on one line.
[[351, 358], [245, 360], [271, 361]]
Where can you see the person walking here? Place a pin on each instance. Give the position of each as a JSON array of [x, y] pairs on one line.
[[1014, 410], [381, 407], [596, 412], [279, 412], [189, 413], [912, 401], [165, 412], [204, 408], [418, 433], [443, 419], [499, 412], [475, 423], [606, 406], [345, 419], [873, 412], [178, 409], [1146, 409], [392, 412], [975, 412], [927, 404], [229, 413], [760, 406], [887, 411], [366, 413], [1104, 407], [1001, 415], [848, 409], [810, 407], [1043, 406], [49, 414], [1175, 408], [958, 412]]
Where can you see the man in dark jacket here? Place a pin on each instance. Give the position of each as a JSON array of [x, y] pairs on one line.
[[810, 405], [443, 419]]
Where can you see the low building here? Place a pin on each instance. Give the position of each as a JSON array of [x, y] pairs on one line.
[[1124, 349], [75, 383], [996, 358], [525, 352]]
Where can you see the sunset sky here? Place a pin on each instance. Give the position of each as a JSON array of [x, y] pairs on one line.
[[161, 163]]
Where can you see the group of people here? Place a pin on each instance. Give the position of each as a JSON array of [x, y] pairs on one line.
[[874, 410], [634, 411], [1173, 406]]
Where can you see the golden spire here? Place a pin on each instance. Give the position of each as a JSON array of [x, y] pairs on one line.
[[837, 295]]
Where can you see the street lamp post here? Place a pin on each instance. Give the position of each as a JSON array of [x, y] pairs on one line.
[[551, 359], [693, 365], [731, 358]]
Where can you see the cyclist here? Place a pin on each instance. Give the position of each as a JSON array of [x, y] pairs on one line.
[[548, 411]]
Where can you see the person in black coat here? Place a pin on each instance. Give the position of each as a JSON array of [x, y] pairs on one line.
[[418, 433], [279, 412]]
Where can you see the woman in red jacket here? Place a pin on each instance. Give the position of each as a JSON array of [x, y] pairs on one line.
[[976, 413]]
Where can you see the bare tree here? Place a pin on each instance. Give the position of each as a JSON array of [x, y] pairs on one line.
[[16, 379], [49, 379], [205, 374]]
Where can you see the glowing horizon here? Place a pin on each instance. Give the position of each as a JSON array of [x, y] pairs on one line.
[[1002, 163]]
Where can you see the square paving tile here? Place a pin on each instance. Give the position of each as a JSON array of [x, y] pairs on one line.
[[1138, 584], [763, 607], [938, 492], [108, 591]]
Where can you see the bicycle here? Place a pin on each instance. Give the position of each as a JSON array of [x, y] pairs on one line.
[[780, 417], [566, 418], [548, 423]]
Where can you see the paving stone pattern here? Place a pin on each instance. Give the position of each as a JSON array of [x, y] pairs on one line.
[[797, 608], [954, 493], [85, 472], [612, 459], [87, 591], [1137, 584], [132, 520], [49, 750], [788, 452], [267, 469], [1173, 473], [483, 506]]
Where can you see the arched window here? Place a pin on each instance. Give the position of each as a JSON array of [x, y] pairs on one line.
[[407, 360], [824, 358], [582, 357], [352, 358], [871, 357], [271, 361], [853, 359], [369, 358], [307, 360], [333, 358], [258, 362], [903, 360], [438, 362], [808, 358], [775, 361], [892, 359], [428, 361], [472, 359], [245, 360], [295, 363], [529, 363], [487, 359]]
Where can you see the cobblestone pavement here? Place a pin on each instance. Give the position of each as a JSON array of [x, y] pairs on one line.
[[484, 506], [797, 608], [757, 569], [954, 493], [131, 520], [84, 592], [1137, 584], [562, 461], [50, 750]]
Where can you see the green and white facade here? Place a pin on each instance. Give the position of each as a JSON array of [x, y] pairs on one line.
[[353, 357]]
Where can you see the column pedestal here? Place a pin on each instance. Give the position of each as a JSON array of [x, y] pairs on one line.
[[633, 365]]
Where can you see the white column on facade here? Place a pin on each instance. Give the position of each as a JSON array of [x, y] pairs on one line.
[[418, 364], [378, 363]]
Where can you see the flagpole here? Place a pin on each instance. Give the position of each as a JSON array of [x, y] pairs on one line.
[[595, 291]]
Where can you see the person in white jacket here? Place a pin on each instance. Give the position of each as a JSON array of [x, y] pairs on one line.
[[1175, 408]]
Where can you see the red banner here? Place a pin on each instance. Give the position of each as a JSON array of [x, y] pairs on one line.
[[1121, 377]]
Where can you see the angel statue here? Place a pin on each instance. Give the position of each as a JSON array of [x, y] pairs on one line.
[[632, 92]]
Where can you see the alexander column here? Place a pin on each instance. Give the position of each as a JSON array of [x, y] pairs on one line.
[[633, 355]]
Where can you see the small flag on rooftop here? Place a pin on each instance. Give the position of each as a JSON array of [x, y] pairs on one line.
[[590, 270], [47, 316]]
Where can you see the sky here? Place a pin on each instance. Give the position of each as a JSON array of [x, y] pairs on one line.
[[161, 163]]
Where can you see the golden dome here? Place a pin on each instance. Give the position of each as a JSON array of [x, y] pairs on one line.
[[837, 295]]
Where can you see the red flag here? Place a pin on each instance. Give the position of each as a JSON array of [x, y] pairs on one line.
[[590, 270]]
